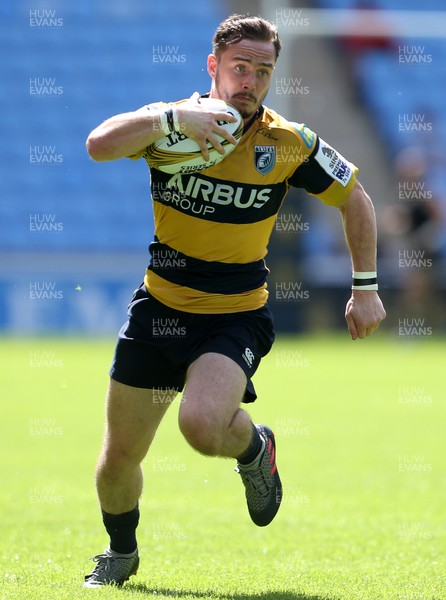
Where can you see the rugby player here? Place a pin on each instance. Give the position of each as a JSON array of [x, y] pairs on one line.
[[200, 322]]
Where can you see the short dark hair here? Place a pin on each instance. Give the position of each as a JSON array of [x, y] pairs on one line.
[[244, 27]]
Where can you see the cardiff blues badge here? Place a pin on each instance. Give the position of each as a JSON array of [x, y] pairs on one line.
[[264, 158]]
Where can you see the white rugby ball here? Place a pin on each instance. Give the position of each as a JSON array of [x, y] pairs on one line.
[[176, 153]]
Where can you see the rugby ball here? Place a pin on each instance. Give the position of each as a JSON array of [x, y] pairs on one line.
[[176, 153]]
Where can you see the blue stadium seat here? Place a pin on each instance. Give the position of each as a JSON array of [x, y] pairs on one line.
[[403, 85], [101, 61]]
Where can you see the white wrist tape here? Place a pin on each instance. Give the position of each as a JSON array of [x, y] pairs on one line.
[[365, 280]]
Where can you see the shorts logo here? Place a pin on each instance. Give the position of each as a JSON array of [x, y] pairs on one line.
[[248, 357], [264, 158]]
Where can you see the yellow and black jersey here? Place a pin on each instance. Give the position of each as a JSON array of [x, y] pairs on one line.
[[212, 227]]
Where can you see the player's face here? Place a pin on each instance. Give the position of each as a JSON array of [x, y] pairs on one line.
[[241, 74]]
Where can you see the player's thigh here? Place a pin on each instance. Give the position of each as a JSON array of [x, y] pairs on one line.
[[215, 385], [133, 416]]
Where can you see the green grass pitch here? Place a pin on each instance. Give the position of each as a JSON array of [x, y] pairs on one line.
[[360, 429]]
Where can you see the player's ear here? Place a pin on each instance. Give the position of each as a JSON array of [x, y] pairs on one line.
[[212, 65]]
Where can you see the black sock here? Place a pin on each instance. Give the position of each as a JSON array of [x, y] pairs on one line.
[[253, 449], [122, 530]]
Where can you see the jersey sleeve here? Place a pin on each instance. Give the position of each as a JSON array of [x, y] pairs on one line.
[[325, 173]]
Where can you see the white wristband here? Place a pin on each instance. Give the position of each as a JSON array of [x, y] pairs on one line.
[[365, 280], [364, 274]]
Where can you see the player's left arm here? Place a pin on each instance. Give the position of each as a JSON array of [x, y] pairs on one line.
[[364, 311]]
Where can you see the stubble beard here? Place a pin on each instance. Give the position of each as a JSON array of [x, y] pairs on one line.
[[244, 113]]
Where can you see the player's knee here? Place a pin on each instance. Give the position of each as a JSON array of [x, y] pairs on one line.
[[116, 457], [199, 432]]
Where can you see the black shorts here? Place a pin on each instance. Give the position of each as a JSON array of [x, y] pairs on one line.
[[157, 344]]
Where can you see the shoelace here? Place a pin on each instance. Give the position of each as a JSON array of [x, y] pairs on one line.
[[103, 563], [256, 479]]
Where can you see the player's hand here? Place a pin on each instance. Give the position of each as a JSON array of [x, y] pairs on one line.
[[364, 313], [202, 126]]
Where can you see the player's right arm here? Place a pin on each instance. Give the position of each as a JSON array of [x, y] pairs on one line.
[[124, 135], [127, 134]]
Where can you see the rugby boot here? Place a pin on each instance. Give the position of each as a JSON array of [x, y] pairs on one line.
[[263, 488], [112, 568]]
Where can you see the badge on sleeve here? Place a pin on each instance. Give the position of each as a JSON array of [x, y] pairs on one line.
[[334, 163]]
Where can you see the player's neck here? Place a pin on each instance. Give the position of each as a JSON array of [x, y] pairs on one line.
[[250, 120]]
